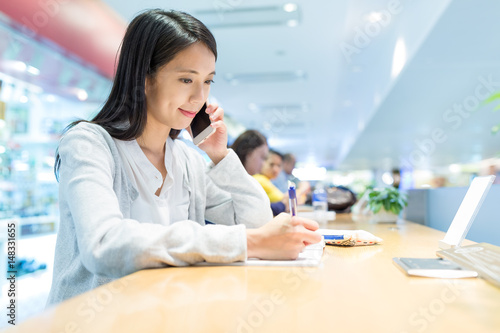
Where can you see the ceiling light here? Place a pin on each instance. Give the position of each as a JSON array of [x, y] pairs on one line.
[[23, 99], [387, 178], [455, 168], [374, 17], [234, 16], [399, 58], [17, 65], [266, 77], [290, 108], [82, 95], [22, 67], [33, 70], [290, 7]]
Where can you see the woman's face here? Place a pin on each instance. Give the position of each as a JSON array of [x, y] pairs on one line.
[[272, 166], [180, 88], [255, 160]]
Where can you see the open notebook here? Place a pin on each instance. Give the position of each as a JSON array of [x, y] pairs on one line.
[[310, 256]]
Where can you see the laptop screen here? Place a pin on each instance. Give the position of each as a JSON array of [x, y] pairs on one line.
[[467, 212]]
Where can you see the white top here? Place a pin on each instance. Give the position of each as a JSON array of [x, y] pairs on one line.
[[100, 235], [172, 204]]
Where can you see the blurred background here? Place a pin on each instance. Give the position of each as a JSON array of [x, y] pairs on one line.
[[363, 93]]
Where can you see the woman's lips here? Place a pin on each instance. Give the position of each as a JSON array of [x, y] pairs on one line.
[[188, 114]]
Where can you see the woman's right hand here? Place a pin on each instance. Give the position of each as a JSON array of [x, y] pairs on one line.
[[284, 237]]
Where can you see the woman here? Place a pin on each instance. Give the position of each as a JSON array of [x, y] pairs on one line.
[[270, 170], [133, 197], [253, 151]]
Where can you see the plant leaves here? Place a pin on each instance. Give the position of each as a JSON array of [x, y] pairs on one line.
[[494, 97], [390, 198]]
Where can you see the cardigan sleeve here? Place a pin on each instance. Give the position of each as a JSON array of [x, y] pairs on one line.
[[110, 245], [235, 197]]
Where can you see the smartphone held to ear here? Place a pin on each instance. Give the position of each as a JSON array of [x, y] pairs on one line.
[[200, 126]]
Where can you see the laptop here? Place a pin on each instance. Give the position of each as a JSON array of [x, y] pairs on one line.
[[467, 212], [464, 217]]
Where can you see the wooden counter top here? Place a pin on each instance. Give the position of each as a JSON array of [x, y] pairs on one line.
[[354, 289]]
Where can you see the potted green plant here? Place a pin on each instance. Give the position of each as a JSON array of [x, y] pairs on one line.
[[386, 204], [494, 98]]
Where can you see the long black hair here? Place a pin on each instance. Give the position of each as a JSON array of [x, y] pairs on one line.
[[152, 39]]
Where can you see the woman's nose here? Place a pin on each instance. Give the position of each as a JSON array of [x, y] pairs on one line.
[[198, 95]]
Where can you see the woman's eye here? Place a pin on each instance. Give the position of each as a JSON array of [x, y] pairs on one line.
[[209, 81], [186, 80]]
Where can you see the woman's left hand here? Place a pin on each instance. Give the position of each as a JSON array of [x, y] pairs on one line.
[[216, 144]]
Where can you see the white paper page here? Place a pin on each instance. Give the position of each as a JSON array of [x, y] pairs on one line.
[[310, 257]]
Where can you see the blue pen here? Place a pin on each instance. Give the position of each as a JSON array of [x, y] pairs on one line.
[[340, 237], [292, 197]]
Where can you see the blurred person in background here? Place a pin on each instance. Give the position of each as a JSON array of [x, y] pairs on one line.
[[253, 151], [281, 181], [270, 170], [493, 171], [438, 181]]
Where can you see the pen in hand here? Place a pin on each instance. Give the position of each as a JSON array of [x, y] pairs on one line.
[[292, 197]]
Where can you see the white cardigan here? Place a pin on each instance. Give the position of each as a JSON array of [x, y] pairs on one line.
[[98, 242]]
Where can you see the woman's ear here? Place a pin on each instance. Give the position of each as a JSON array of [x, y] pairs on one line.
[[149, 84]]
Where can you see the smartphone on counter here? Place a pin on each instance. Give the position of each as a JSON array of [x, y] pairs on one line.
[[433, 267], [200, 126]]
